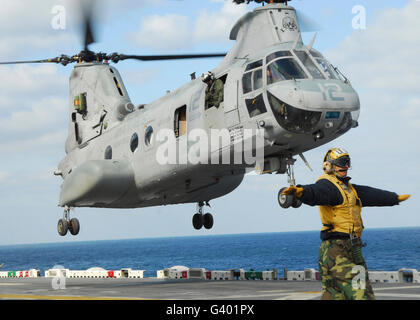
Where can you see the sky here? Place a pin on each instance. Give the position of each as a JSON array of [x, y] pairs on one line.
[[374, 43]]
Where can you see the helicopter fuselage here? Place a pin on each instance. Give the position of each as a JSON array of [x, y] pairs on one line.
[[285, 94]]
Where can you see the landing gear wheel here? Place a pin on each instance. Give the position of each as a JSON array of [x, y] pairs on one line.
[[62, 227], [285, 200], [296, 203], [197, 221], [65, 224], [208, 221], [74, 226]]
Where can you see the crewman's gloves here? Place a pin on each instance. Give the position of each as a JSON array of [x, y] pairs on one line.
[[403, 197], [293, 190]]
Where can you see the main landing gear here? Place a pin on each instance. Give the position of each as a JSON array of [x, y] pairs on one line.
[[199, 219], [66, 224], [289, 200]]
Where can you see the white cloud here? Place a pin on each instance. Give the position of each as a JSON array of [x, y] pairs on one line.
[[168, 32], [15, 79], [164, 32], [26, 23], [382, 63], [43, 114], [216, 26], [385, 55], [40, 144], [3, 176]]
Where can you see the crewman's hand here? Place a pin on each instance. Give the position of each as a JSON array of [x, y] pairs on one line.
[[403, 197], [293, 190]]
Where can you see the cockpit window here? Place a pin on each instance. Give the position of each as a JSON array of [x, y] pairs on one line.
[[278, 54], [293, 119], [325, 65], [257, 79], [247, 82], [308, 63], [254, 65], [284, 69], [327, 68], [252, 80], [255, 106]]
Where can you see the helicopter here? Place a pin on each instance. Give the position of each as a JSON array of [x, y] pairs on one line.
[[280, 98]]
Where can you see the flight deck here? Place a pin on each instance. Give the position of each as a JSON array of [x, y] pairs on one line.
[[182, 289]]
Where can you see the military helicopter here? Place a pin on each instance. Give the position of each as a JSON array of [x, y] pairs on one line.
[[282, 91]]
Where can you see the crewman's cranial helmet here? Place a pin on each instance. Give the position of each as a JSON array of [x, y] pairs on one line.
[[335, 156], [207, 76]]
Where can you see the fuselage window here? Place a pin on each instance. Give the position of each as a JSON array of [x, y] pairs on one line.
[[134, 142], [284, 69], [308, 63], [108, 153], [180, 121], [148, 135], [255, 106]]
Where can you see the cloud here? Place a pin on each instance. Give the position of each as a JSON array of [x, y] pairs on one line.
[[26, 23], [216, 26], [164, 32], [385, 55], [3, 176], [172, 31], [39, 144], [43, 114]]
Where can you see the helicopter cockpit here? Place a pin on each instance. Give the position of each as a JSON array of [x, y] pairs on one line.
[[296, 64]]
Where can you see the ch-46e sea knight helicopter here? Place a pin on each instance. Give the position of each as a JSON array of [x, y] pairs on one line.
[[272, 83]]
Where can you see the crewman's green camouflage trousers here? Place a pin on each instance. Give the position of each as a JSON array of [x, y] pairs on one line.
[[342, 278]]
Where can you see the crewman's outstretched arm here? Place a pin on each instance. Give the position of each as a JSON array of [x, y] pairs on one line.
[[373, 197]]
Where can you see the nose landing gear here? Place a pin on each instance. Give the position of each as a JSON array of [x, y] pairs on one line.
[[66, 224], [199, 219], [289, 200]]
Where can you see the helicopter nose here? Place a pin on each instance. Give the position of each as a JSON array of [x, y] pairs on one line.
[[329, 95]]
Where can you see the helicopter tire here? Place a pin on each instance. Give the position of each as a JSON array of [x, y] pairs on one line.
[[296, 203], [208, 221], [74, 226], [62, 227], [197, 221], [285, 200]]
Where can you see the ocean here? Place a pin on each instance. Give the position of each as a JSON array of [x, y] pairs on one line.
[[387, 249]]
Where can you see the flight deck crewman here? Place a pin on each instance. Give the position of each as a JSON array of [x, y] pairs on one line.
[[340, 204], [214, 90]]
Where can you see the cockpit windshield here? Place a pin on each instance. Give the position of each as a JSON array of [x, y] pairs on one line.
[[284, 69], [309, 64], [325, 65]]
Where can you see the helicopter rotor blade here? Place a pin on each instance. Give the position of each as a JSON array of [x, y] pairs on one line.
[[306, 24], [119, 57], [54, 60], [87, 9]]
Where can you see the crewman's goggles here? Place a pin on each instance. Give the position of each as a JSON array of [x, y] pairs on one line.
[[342, 162]]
